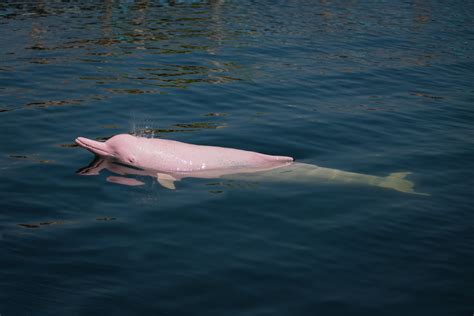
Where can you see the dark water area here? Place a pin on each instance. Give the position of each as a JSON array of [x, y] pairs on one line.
[[371, 88]]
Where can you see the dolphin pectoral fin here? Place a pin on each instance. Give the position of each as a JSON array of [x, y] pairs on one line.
[[167, 184], [166, 180]]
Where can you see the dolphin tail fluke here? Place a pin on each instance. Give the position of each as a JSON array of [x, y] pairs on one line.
[[397, 181]]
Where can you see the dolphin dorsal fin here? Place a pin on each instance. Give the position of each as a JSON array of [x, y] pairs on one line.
[[166, 180]]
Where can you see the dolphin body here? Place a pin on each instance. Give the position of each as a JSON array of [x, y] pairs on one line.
[[169, 161]]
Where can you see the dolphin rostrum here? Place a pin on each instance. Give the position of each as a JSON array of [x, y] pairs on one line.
[[171, 161]]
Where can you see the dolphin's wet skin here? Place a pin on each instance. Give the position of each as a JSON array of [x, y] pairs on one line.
[[283, 158]]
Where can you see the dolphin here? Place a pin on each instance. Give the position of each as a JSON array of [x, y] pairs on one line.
[[174, 156], [169, 161]]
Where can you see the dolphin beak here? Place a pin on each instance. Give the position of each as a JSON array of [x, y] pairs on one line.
[[95, 147]]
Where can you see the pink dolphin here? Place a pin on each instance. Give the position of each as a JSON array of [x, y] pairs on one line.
[[174, 156], [173, 160]]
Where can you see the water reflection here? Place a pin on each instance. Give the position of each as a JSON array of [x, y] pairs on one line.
[[91, 45], [286, 172], [165, 178], [120, 48]]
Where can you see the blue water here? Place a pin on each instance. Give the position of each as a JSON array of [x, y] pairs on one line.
[[372, 87]]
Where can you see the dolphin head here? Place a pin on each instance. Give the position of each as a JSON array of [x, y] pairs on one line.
[[120, 147]]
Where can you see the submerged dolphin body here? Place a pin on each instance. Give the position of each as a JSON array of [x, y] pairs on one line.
[[171, 161]]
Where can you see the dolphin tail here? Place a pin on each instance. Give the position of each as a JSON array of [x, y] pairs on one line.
[[397, 181]]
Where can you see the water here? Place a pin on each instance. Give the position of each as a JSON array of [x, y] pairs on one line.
[[373, 88]]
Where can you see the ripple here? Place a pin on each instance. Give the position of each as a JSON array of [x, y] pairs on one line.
[[372, 88]]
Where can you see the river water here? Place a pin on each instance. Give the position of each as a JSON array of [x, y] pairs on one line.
[[372, 88]]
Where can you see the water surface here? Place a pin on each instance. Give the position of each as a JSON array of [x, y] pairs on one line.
[[373, 88]]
